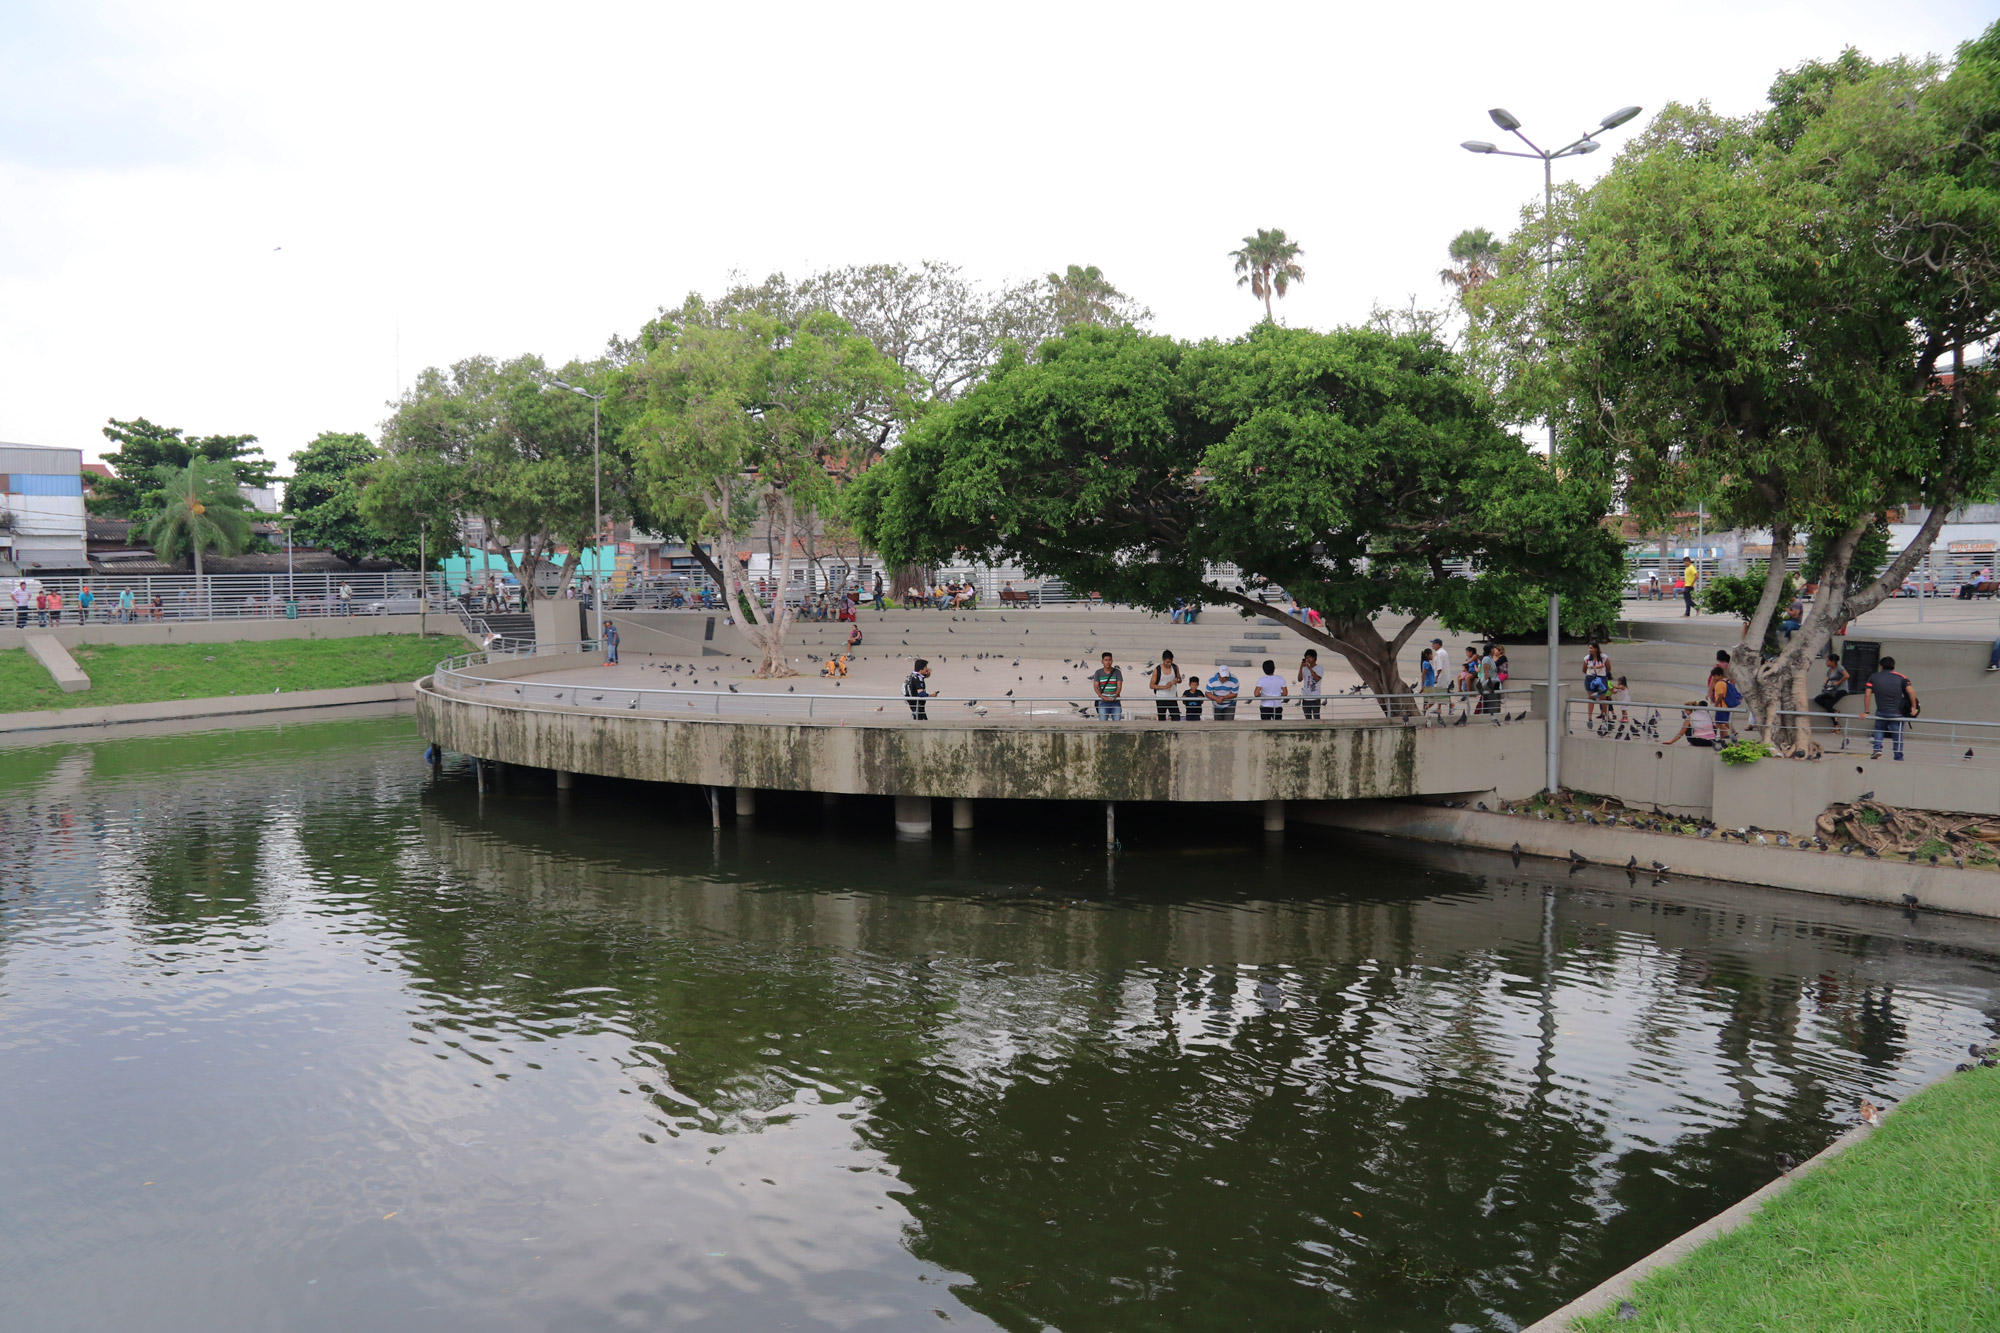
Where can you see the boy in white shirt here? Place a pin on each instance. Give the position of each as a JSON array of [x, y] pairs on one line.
[[1270, 692]]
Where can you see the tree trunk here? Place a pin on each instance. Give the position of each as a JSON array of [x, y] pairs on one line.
[[767, 631], [1779, 686], [1373, 657]]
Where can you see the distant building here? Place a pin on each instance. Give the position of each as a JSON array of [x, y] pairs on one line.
[[41, 510]]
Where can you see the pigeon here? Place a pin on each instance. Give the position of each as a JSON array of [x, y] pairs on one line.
[[1632, 864], [1871, 853], [1590, 819], [1847, 849], [1010, 694], [1515, 849], [1968, 753], [1702, 832], [1661, 867], [1786, 1163], [1783, 841], [1627, 1310], [1871, 1114], [1462, 720], [1909, 900], [1482, 806], [1958, 861], [1911, 857], [1576, 860], [1866, 796], [734, 690], [597, 698]]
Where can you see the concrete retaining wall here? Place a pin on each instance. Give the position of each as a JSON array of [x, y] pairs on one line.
[[1974, 892], [1243, 762], [80, 719], [228, 631], [1676, 778], [1790, 794]]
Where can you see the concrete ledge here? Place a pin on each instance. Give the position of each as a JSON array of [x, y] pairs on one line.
[[229, 631], [69, 677], [1972, 892], [78, 719], [1619, 1285]]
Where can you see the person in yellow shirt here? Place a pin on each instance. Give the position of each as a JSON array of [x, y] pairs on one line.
[[1689, 577]]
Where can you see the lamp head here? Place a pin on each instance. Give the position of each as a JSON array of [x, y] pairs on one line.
[[1588, 146], [1618, 117], [1478, 146], [1504, 118]]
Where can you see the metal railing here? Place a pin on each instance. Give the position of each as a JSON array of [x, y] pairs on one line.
[[179, 597], [700, 695], [1929, 740]]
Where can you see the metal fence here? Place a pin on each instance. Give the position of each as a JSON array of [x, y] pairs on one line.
[[159, 597], [694, 690], [1929, 740]]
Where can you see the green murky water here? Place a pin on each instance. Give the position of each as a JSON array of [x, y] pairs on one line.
[[293, 1038]]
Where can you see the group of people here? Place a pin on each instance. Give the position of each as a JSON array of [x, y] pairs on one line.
[[46, 605], [1479, 683], [945, 597]]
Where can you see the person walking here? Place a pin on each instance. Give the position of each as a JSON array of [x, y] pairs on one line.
[[1309, 678], [1166, 684], [916, 686], [1891, 697], [1690, 575], [1107, 684], [1269, 692], [610, 643], [1222, 691]]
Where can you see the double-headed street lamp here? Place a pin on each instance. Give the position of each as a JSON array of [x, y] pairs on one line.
[[1507, 121], [596, 510]]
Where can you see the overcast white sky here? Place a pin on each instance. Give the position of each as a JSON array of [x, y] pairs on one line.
[[500, 178]]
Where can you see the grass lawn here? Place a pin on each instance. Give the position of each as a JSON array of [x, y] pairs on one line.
[[1898, 1234], [138, 674]]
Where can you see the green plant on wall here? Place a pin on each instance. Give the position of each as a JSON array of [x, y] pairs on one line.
[[1745, 750]]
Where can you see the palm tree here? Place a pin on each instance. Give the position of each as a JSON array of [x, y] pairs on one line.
[[1473, 249], [201, 509], [1268, 265]]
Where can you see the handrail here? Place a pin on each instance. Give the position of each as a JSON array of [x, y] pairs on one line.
[[1954, 739], [454, 675]]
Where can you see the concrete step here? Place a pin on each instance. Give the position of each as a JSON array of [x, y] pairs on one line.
[[68, 676]]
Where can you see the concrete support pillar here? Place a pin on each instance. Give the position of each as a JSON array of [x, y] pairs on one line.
[[714, 807], [564, 780], [1274, 816], [1110, 826], [913, 816], [479, 773], [746, 802], [961, 813]]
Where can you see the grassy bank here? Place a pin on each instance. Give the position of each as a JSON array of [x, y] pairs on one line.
[[1900, 1233], [148, 673]]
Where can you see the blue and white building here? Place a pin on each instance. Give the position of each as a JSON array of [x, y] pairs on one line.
[[41, 510]]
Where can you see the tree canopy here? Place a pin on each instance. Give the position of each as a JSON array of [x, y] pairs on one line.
[[323, 498], [739, 422], [199, 510], [1268, 264], [1361, 471], [134, 491], [1785, 316], [483, 440]]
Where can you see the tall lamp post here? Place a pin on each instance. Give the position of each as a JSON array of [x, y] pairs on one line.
[[1576, 148], [596, 511]]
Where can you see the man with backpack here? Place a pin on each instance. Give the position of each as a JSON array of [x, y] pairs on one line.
[[1891, 697], [916, 686]]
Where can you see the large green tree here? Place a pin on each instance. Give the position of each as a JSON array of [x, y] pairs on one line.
[[133, 491], [200, 510], [1785, 316], [492, 442], [741, 424], [1361, 471], [323, 498]]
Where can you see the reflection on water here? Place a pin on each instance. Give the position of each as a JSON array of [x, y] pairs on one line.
[[291, 1038]]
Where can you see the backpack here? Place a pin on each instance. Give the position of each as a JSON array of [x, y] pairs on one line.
[[1733, 697]]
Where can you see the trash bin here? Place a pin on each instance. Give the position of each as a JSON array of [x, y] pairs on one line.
[[291, 608]]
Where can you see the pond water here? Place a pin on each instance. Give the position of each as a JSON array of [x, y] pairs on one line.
[[294, 1037]]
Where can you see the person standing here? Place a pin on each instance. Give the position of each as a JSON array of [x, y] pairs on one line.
[[125, 606], [1836, 685], [610, 643], [1269, 692], [1107, 683], [1891, 697], [1690, 575], [1191, 698], [1166, 684], [55, 609], [346, 598], [1222, 691], [1309, 678], [22, 598], [1596, 685], [84, 599], [916, 686]]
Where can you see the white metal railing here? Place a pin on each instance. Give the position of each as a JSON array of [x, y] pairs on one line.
[[1930, 740], [176, 597], [699, 695]]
